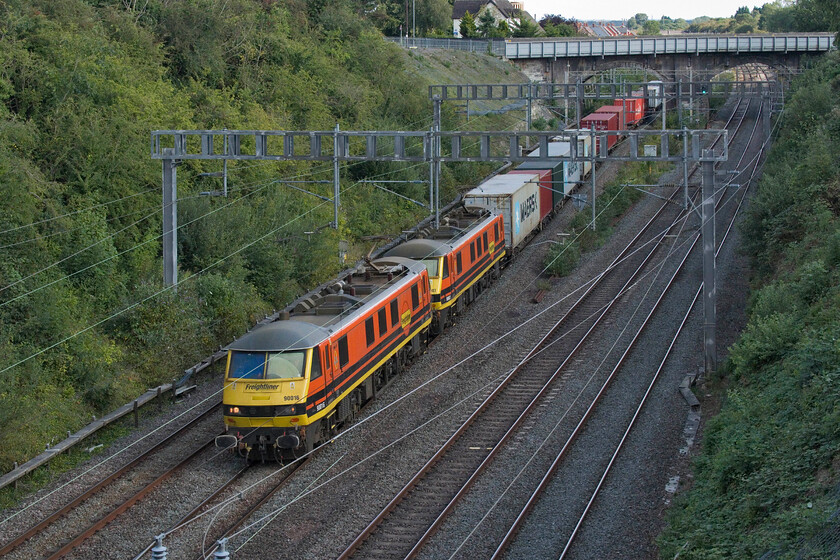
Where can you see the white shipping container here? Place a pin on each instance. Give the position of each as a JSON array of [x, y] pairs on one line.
[[584, 149], [516, 197], [573, 171]]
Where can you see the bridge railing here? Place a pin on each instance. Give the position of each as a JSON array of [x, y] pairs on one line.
[[495, 46], [692, 45]]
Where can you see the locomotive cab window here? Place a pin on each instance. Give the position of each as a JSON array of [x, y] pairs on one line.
[[432, 265], [496, 228], [415, 297], [472, 251], [343, 351], [458, 263], [445, 267], [267, 365], [246, 365], [315, 369], [485, 239], [285, 365]]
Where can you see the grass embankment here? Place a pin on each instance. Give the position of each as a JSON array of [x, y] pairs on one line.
[[768, 473]]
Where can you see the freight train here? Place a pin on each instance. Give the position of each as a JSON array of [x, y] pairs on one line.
[[294, 383]]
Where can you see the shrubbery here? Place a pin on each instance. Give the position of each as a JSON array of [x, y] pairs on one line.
[[769, 470], [82, 84]]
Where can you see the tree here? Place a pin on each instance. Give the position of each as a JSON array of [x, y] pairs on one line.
[[525, 28], [501, 31], [651, 28], [433, 15], [468, 29], [556, 25], [486, 24]]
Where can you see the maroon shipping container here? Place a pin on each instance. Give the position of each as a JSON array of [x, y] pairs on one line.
[[601, 121], [546, 200], [622, 119], [634, 109]]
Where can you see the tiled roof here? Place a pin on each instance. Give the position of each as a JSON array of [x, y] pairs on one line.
[[474, 6]]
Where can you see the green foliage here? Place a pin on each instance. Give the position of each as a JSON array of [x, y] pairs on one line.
[[768, 473], [81, 85], [468, 29], [556, 25], [562, 259], [650, 28], [525, 28], [486, 24]]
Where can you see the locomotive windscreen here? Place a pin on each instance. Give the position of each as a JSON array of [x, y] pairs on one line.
[[279, 365], [432, 266]]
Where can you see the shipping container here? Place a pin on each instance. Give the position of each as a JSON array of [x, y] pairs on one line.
[[622, 117], [654, 93], [565, 174], [516, 198], [546, 176], [601, 121], [634, 109], [585, 148]]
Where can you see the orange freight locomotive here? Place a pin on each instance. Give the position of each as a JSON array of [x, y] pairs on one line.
[[294, 382]]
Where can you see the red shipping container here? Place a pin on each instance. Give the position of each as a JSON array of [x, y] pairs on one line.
[[546, 200], [622, 119], [634, 109], [601, 121]]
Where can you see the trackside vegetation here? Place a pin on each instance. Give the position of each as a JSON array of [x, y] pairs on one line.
[[84, 323], [766, 482]]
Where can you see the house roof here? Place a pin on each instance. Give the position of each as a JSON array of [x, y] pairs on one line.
[[460, 7]]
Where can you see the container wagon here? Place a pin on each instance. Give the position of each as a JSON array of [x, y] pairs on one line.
[[516, 198], [618, 110], [598, 122]]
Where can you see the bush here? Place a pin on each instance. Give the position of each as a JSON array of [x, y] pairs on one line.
[[562, 259]]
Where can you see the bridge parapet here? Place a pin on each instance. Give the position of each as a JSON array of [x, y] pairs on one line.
[[671, 45]]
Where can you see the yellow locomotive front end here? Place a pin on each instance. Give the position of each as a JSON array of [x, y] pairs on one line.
[[266, 386]]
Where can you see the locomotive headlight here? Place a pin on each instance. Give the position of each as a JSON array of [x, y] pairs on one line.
[[233, 410]]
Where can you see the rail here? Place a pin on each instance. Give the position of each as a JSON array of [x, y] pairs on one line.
[[179, 387]]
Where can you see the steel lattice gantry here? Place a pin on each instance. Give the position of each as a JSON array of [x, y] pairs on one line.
[[435, 147]]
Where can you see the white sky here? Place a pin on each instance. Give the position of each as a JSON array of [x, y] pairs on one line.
[[621, 9]]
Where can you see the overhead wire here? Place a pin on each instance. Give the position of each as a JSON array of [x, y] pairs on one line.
[[686, 216], [425, 383], [461, 362], [134, 305], [178, 417], [73, 213], [101, 240]]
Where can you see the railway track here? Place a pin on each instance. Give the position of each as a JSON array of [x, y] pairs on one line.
[[751, 171], [412, 517], [74, 529]]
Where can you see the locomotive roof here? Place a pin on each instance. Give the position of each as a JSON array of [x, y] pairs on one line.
[[420, 249], [281, 335]]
